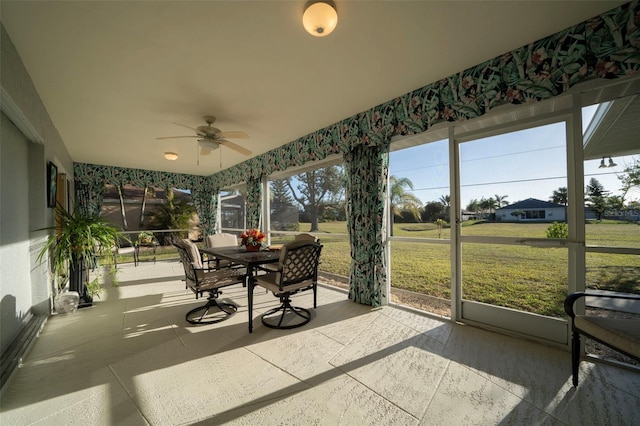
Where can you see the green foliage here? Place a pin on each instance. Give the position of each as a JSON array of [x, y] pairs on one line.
[[401, 200], [78, 237], [145, 237], [560, 196], [94, 288], [174, 214], [558, 230]]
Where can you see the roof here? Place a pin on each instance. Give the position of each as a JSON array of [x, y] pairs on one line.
[[532, 203]]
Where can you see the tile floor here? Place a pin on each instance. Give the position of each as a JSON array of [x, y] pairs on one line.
[[131, 359]]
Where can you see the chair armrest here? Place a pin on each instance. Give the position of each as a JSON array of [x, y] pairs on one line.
[[573, 297]]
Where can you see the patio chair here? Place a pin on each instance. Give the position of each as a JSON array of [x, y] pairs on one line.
[[200, 280], [297, 270], [220, 239], [622, 335], [306, 237], [270, 267]]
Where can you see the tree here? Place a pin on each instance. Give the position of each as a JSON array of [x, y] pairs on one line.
[[501, 200], [313, 187], [143, 206], [432, 211], [174, 214], [473, 206], [279, 195], [488, 205], [630, 178], [597, 196], [446, 205], [401, 200], [560, 196], [123, 212]]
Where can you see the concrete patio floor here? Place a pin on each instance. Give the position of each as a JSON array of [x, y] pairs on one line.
[[132, 359]]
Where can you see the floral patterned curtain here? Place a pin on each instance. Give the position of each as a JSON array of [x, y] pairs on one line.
[[206, 203], [367, 168], [89, 198], [253, 204]]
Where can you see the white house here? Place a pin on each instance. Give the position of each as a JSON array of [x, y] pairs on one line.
[[532, 210]]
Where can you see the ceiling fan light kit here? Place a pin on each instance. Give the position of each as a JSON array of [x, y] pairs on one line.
[[210, 138], [320, 17]]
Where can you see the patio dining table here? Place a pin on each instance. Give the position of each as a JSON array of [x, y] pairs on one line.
[[250, 260]]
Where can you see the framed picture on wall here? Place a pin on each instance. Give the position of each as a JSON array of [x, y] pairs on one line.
[[52, 184]]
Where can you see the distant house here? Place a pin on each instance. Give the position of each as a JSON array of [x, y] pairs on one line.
[[532, 210]]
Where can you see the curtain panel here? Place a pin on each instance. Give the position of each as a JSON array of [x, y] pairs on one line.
[[367, 167], [253, 203], [206, 204]]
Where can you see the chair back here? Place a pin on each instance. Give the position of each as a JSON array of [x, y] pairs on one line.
[[306, 237], [192, 251], [298, 262], [221, 239], [185, 258]]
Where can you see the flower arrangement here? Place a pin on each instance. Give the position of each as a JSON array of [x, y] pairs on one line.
[[252, 238]]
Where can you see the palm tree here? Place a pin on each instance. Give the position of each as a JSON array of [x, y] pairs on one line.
[[446, 203], [400, 200], [501, 200], [487, 205]]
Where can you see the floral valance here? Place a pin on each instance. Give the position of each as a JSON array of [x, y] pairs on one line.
[[603, 47]]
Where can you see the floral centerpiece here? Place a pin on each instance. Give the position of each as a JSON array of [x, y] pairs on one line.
[[252, 239]]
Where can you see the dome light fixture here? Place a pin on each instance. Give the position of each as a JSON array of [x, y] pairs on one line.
[[320, 17], [171, 156]]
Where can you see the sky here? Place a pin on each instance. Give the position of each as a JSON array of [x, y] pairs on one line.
[[520, 165]]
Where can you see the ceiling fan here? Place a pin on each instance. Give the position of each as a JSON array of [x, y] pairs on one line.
[[210, 138]]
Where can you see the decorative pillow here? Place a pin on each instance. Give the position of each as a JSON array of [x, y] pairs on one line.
[[193, 252]]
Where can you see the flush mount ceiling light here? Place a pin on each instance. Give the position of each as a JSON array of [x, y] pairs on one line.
[[320, 18], [171, 156]]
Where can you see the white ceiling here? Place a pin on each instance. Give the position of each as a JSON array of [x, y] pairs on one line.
[[116, 75]]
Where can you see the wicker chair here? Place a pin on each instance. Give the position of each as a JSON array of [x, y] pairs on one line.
[[200, 280], [297, 271]]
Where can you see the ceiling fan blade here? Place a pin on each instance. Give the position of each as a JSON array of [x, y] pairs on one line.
[[177, 137], [233, 135], [235, 147], [184, 125]]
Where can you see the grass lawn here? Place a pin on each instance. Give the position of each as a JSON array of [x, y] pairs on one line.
[[519, 277]]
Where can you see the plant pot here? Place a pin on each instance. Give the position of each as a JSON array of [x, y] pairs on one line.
[[66, 302], [250, 247], [78, 279]]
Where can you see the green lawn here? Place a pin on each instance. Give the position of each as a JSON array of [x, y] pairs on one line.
[[519, 277]]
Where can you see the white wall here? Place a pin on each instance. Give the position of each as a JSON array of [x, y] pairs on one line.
[[28, 140]]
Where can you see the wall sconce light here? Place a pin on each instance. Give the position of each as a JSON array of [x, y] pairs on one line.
[[172, 156], [603, 165], [320, 17]]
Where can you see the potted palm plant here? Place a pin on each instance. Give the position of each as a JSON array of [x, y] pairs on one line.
[[74, 246]]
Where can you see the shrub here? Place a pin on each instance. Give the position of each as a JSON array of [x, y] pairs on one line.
[[558, 230]]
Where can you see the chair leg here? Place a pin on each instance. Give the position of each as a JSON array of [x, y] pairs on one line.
[[200, 315], [575, 357], [285, 308]]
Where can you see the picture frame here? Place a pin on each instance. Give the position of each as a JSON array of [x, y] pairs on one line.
[[52, 184]]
